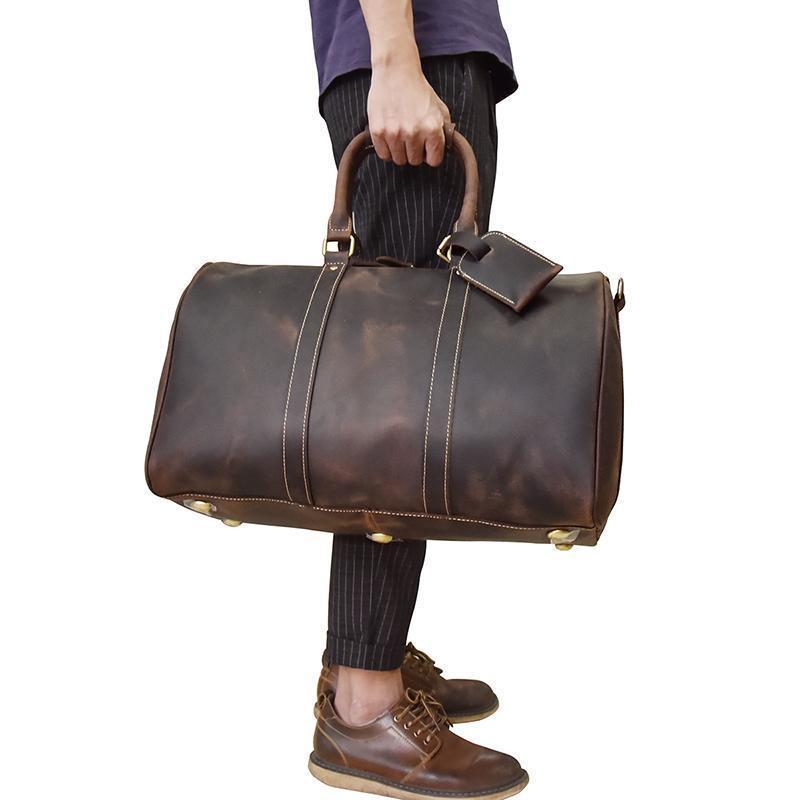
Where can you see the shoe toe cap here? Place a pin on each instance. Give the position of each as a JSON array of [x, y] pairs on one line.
[[499, 769], [469, 696]]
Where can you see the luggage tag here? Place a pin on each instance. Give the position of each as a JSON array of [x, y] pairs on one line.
[[499, 265]]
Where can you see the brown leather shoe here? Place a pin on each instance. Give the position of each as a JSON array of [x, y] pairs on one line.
[[409, 753], [463, 700]]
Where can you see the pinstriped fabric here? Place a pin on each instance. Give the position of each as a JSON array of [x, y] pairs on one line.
[[373, 590], [402, 212]]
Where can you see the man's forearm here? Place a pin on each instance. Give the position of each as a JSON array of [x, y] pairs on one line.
[[406, 118], [391, 33]]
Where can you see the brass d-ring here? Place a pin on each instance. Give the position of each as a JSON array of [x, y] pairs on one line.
[[445, 254], [351, 250]]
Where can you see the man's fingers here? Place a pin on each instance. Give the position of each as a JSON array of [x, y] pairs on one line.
[[434, 148], [381, 148], [402, 147], [415, 150], [397, 147]]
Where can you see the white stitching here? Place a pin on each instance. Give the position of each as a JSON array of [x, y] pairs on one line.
[[452, 393], [430, 394], [334, 228], [467, 277], [291, 379], [376, 511], [519, 244], [311, 380]]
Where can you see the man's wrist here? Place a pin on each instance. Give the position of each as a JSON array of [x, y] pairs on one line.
[[396, 53]]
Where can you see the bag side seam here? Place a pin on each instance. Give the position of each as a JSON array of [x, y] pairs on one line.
[[600, 383], [167, 370]]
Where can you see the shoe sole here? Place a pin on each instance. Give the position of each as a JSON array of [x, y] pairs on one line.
[[361, 782], [457, 719]]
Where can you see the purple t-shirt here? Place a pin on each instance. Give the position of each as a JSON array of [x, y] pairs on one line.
[[441, 27]]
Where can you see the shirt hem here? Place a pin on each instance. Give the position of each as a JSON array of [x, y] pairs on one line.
[[504, 80]]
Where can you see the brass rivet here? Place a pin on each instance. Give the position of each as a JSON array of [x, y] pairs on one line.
[[380, 538], [232, 523]]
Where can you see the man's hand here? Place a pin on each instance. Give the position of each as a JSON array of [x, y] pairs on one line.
[[406, 117]]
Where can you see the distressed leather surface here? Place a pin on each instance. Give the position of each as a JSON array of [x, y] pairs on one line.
[[219, 417], [522, 413], [525, 416]]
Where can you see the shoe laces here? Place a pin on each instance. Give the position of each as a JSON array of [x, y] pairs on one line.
[[422, 714], [422, 662]]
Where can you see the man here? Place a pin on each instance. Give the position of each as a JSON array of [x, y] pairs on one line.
[[383, 708]]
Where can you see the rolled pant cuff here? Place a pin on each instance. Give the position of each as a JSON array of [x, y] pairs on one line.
[[360, 655]]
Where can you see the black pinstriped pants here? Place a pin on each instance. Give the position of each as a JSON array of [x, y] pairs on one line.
[[402, 212]]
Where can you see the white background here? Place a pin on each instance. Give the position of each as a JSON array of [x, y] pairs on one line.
[[149, 652]]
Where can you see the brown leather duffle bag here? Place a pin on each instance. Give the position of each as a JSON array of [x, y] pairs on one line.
[[482, 402]]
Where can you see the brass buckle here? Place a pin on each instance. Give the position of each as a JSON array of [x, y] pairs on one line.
[[326, 242], [445, 255]]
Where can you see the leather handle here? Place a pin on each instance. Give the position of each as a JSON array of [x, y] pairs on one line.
[[340, 222]]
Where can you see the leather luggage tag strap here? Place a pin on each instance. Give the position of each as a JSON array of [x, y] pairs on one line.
[[502, 267]]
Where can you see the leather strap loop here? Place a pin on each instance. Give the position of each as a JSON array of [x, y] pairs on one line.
[[296, 473], [340, 222], [469, 242]]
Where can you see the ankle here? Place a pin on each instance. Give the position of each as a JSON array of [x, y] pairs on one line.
[[363, 695], [355, 712]]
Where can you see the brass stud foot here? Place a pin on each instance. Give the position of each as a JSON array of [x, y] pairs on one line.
[[201, 506], [563, 539], [232, 523], [380, 538]]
